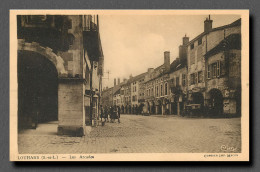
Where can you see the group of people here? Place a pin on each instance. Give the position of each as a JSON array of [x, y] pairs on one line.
[[112, 112]]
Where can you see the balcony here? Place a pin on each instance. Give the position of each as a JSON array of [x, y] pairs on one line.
[[47, 30], [91, 37]]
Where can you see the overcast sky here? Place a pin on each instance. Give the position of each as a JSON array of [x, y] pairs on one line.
[[133, 43]]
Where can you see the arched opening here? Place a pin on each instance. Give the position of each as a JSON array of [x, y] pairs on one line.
[[174, 105], [159, 107], [153, 108], [37, 90], [148, 109], [216, 102]]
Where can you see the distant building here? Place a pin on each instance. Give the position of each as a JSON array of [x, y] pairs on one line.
[[210, 56], [206, 74]]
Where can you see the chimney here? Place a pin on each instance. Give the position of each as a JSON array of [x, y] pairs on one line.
[[167, 60], [207, 24], [118, 81], [185, 40], [183, 49], [150, 70], [114, 81], [131, 76]]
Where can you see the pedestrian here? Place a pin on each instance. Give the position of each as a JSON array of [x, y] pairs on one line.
[[106, 114], [114, 113], [111, 113], [101, 112], [118, 114]]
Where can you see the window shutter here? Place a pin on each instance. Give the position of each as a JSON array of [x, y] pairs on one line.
[[208, 72]]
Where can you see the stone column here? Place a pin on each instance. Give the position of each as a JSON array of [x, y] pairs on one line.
[[71, 106]]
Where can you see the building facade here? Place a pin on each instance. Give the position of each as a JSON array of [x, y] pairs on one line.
[[208, 72], [205, 75], [60, 62]]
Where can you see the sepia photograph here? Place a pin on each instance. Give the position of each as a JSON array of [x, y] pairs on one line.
[[129, 85]]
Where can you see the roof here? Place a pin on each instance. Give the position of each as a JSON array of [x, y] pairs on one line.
[[177, 64], [232, 41], [135, 78], [117, 91], [235, 23]]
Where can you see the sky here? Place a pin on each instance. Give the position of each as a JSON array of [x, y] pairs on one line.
[[133, 43]]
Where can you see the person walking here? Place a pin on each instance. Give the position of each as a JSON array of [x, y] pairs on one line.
[[106, 114], [101, 112], [111, 113], [118, 114]]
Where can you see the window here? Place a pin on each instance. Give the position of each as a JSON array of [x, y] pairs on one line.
[[166, 88], [214, 70], [161, 90], [200, 41], [177, 81], [157, 91], [183, 79], [192, 46], [149, 92], [218, 68], [200, 77], [152, 92], [192, 79]]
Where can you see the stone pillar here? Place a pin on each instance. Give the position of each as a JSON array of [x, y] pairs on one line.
[[71, 106]]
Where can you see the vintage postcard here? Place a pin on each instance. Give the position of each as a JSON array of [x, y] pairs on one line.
[[129, 85]]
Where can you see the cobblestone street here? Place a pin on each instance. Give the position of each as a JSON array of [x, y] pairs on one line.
[[139, 134]]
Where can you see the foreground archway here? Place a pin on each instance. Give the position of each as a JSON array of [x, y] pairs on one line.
[[37, 90]]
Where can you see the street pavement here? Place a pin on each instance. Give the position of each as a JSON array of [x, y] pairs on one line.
[[139, 134]]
